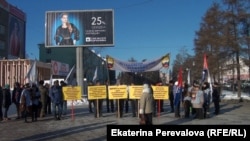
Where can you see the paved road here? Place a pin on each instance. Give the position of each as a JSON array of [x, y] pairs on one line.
[[83, 126]]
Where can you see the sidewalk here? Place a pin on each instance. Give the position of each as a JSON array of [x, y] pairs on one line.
[[84, 127]]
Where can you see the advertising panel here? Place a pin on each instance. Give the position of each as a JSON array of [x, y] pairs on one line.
[[16, 36], [59, 68], [79, 28]]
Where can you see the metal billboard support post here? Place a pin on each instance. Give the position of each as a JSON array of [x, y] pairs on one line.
[[79, 67]]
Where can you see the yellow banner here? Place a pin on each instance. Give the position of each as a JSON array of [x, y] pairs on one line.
[[160, 92], [118, 92], [135, 92], [97, 92], [72, 93]]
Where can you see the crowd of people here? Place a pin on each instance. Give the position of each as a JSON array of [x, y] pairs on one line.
[[195, 100], [38, 101], [33, 100]]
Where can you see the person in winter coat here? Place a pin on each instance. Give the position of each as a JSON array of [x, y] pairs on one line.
[[35, 97], [187, 102], [6, 101], [43, 92], [197, 100], [207, 98], [146, 105], [177, 99], [56, 96], [26, 102], [216, 98], [16, 95], [171, 95]]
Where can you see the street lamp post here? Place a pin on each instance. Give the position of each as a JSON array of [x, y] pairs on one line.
[[85, 87], [103, 72]]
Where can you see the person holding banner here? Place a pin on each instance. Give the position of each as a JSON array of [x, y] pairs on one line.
[[109, 103], [98, 104], [134, 104], [67, 33], [91, 102], [119, 103], [64, 104]]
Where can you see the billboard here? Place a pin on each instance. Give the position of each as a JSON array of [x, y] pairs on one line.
[[79, 28], [16, 38]]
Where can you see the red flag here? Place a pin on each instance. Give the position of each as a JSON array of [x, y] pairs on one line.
[[205, 67], [180, 78], [178, 90]]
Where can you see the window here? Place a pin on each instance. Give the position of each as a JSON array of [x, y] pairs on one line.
[[48, 51]]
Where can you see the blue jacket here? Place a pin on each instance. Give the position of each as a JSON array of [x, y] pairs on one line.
[[56, 94]]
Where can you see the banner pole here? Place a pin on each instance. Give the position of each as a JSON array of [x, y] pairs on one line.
[[159, 106], [97, 108], [118, 111], [72, 110]]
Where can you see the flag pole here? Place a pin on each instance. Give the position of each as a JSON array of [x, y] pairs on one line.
[[72, 110]]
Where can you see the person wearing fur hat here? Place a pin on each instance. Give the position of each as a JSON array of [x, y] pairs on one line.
[[146, 105]]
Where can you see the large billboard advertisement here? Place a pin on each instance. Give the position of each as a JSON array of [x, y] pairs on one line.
[[16, 40], [79, 28]]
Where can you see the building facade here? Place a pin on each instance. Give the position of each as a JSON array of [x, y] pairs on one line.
[[12, 31], [15, 70], [91, 61]]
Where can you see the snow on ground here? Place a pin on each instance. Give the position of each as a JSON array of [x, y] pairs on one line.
[[83, 101], [228, 95]]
